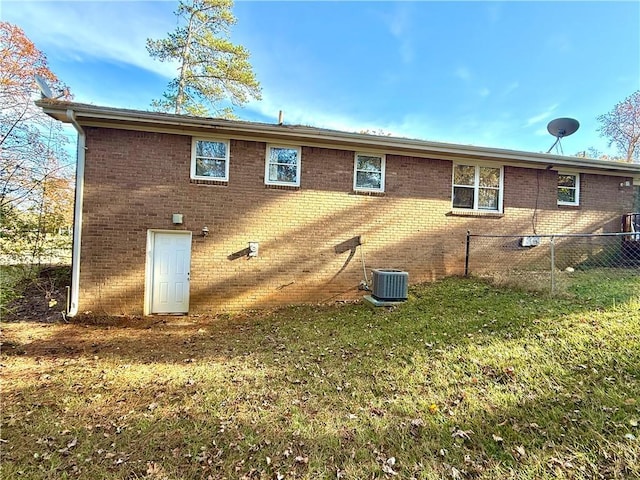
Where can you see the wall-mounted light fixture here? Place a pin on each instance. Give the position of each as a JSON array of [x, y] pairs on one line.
[[176, 218], [205, 232]]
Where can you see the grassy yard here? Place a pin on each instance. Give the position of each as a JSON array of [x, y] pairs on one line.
[[463, 381]]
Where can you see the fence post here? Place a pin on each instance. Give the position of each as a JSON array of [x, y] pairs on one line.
[[466, 256], [553, 265]]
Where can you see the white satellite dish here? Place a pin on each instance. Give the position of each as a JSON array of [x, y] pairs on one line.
[[46, 92], [44, 88]]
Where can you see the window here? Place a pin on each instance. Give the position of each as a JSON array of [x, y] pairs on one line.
[[477, 187], [282, 166], [568, 188], [210, 159], [368, 174]]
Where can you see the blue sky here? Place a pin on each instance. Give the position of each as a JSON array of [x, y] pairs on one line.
[[478, 73]]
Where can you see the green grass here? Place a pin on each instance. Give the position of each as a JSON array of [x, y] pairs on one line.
[[464, 380]]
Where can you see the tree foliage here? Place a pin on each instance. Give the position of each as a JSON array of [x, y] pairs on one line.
[[622, 127], [36, 191], [211, 68]]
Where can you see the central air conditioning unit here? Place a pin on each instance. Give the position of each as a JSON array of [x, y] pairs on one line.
[[390, 285]]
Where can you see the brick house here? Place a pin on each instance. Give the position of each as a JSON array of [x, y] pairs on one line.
[[167, 207]]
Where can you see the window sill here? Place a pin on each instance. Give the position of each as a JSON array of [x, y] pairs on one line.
[[282, 187], [215, 183], [368, 193], [565, 206], [474, 213]]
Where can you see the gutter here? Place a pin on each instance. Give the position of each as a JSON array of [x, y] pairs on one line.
[[109, 117], [77, 216]]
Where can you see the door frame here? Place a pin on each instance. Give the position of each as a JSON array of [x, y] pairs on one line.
[[148, 271]]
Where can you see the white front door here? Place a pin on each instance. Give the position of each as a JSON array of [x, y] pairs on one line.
[[170, 272]]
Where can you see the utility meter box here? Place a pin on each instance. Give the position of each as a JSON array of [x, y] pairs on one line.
[[529, 241]]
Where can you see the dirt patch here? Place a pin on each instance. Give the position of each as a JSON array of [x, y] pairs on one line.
[[42, 299]]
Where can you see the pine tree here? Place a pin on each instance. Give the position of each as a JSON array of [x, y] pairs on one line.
[[211, 69]]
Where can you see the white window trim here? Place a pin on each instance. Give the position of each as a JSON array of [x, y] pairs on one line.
[[298, 165], [476, 187], [382, 171], [194, 142], [577, 188]]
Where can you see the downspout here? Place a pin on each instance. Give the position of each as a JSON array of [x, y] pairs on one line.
[[77, 217]]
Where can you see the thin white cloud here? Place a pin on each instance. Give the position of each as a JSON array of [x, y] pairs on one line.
[[541, 132], [511, 88], [494, 12], [463, 73], [399, 22], [303, 113], [468, 130], [406, 52], [541, 116], [410, 125], [97, 31], [484, 92], [399, 26]]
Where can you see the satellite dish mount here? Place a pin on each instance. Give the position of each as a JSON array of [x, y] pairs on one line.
[[560, 128]]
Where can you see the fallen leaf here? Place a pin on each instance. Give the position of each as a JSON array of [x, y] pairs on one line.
[[388, 470], [417, 422], [520, 451], [455, 473], [630, 436], [464, 434], [155, 470], [497, 438], [377, 412]]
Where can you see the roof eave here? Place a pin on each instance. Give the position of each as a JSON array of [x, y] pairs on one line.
[[143, 120]]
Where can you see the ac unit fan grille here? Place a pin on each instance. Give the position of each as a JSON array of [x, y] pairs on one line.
[[389, 284]]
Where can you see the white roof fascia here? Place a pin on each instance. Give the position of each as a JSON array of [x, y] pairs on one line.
[[91, 115]]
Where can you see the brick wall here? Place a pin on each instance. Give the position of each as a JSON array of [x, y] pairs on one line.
[[135, 181]]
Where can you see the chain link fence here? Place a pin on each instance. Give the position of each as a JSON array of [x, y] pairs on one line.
[[553, 263]]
